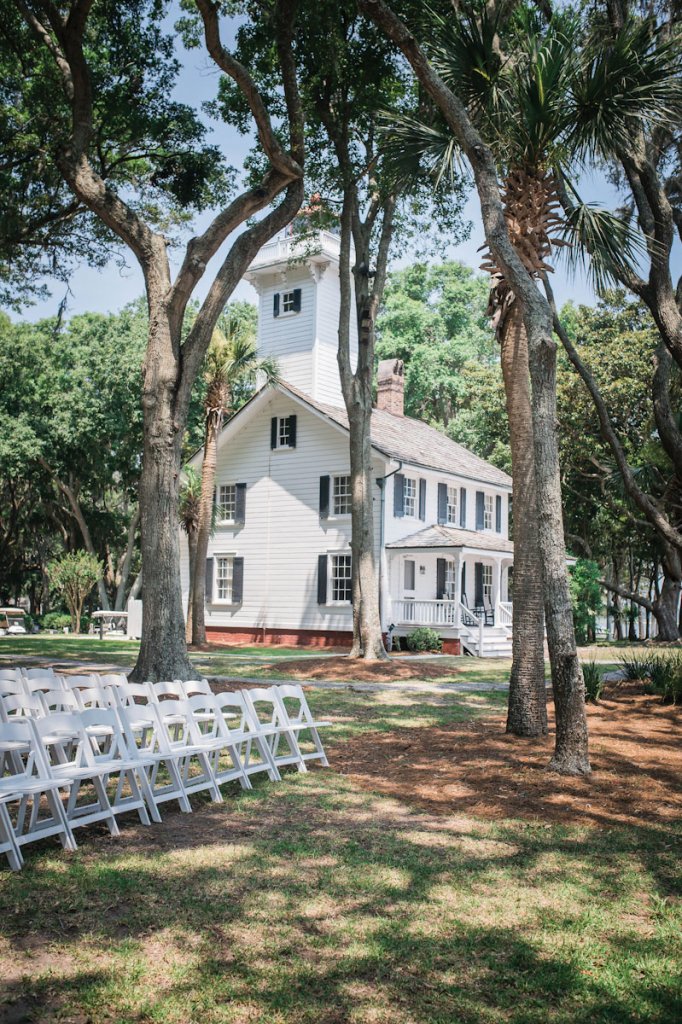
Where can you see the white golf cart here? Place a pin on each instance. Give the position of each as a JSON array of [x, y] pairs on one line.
[[12, 622], [109, 625]]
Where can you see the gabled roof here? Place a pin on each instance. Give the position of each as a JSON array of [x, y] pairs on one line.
[[452, 537], [414, 442]]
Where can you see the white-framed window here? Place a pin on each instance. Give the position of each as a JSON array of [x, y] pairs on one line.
[[450, 581], [340, 572], [227, 503], [488, 584], [283, 432], [488, 506], [341, 496], [224, 575], [288, 302], [452, 505], [410, 497]]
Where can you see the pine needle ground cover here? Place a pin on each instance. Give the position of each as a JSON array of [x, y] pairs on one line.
[[324, 900]]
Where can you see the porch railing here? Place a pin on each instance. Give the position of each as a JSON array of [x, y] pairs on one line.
[[503, 614], [426, 613]]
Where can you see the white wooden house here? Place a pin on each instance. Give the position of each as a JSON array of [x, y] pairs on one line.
[[279, 565]]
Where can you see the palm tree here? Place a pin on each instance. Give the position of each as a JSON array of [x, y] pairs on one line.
[[230, 370], [547, 97], [188, 513]]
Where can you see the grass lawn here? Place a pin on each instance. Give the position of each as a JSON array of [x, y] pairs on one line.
[[319, 901], [261, 662]]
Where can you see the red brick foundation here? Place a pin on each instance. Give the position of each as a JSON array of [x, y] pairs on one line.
[[286, 637], [226, 635]]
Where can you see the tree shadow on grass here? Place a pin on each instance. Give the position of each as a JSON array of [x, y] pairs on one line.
[[311, 902]]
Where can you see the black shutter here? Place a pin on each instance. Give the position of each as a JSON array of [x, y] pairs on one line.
[[480, 507], [324, 496], [297, 300], [463, 507], [209, 581], [441, 566], [498, 513], [292, 431], [215, 502], [275, 304], [399, 495], [442, 503], [422, 499], [322, 579], [464, 582], [273, 432], [478, 586], [237, 580], [240, 511]]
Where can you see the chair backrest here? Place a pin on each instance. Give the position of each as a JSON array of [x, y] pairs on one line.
[[84, 682], [127, 694], [151, 739], [95, 697], [196, 686], [236, 713], [19, 705], [11, 687], [53, 731], [293, 693], [167, 691], [39, 674], [9, 675], [34, 684], [113, 679], [17, 737], [264, 705], [117, 747], [57, 700]]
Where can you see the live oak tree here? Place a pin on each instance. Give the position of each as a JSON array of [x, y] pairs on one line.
[[97, 78]]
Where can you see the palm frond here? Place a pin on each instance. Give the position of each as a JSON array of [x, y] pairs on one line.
[[600, 242], [411, 148], [634, 79]]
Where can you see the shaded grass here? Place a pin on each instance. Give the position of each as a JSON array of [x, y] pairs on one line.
[[311, 902]]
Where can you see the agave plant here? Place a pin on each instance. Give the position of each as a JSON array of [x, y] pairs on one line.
[[550, 99]]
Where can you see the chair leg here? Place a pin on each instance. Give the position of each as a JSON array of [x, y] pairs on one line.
[[66, 837], [14, 857]]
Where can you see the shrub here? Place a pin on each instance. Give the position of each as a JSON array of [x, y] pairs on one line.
[[55, 620], [663, 673], [637, 668], [74, 576], [586, 598], [594, 684], [423, 639]]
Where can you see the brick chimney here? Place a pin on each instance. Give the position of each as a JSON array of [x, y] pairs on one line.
[[391, 386]]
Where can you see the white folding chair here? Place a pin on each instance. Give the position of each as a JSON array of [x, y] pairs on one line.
[[219, 739], [239, 718], [80, 766], [151, 745], [40, 679], [10, 675], [29, 781], [165, 694], [268, 710], [183, 739], [301, 720]]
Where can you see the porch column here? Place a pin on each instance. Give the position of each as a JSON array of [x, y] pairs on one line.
[[497, 587], [458, 586]]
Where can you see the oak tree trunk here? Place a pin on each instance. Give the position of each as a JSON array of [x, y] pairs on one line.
[[527, 707]]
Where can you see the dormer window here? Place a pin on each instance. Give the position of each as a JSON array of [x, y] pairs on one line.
[[282, 432], [286, 303]]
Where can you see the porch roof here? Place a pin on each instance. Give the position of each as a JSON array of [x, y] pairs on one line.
[[453, 537]]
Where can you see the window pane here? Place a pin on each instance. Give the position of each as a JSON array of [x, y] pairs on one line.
[[224, 568], [488, 512], [488, 583], [452, 505], [227, 503], [410, 497], [409, 575], [449, 581], [341, 578], [287, 302], [283, 432], [342, 498]]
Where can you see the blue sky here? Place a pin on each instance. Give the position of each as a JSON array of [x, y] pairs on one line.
[[110, 288]]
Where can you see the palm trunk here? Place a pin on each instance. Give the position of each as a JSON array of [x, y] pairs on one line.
[[571, 747], [192, 552], [527, 707], [208, 475]]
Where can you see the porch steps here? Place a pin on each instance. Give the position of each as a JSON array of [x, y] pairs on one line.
[[496, 643]]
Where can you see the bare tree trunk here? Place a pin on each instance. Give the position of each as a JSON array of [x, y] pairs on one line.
[[208, 474], [527, 707], [127, 561], [192, 556], [72, 498], [163, 653]]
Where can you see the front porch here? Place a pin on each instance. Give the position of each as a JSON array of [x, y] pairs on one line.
[[457, 582]]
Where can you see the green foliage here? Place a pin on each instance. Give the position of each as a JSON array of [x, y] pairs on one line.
[[55, 620], [423, 639], [594, 683], [73, 577], [661, 670], [586, 598]]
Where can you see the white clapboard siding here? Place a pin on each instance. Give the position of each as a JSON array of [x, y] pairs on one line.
[[283, 535]]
